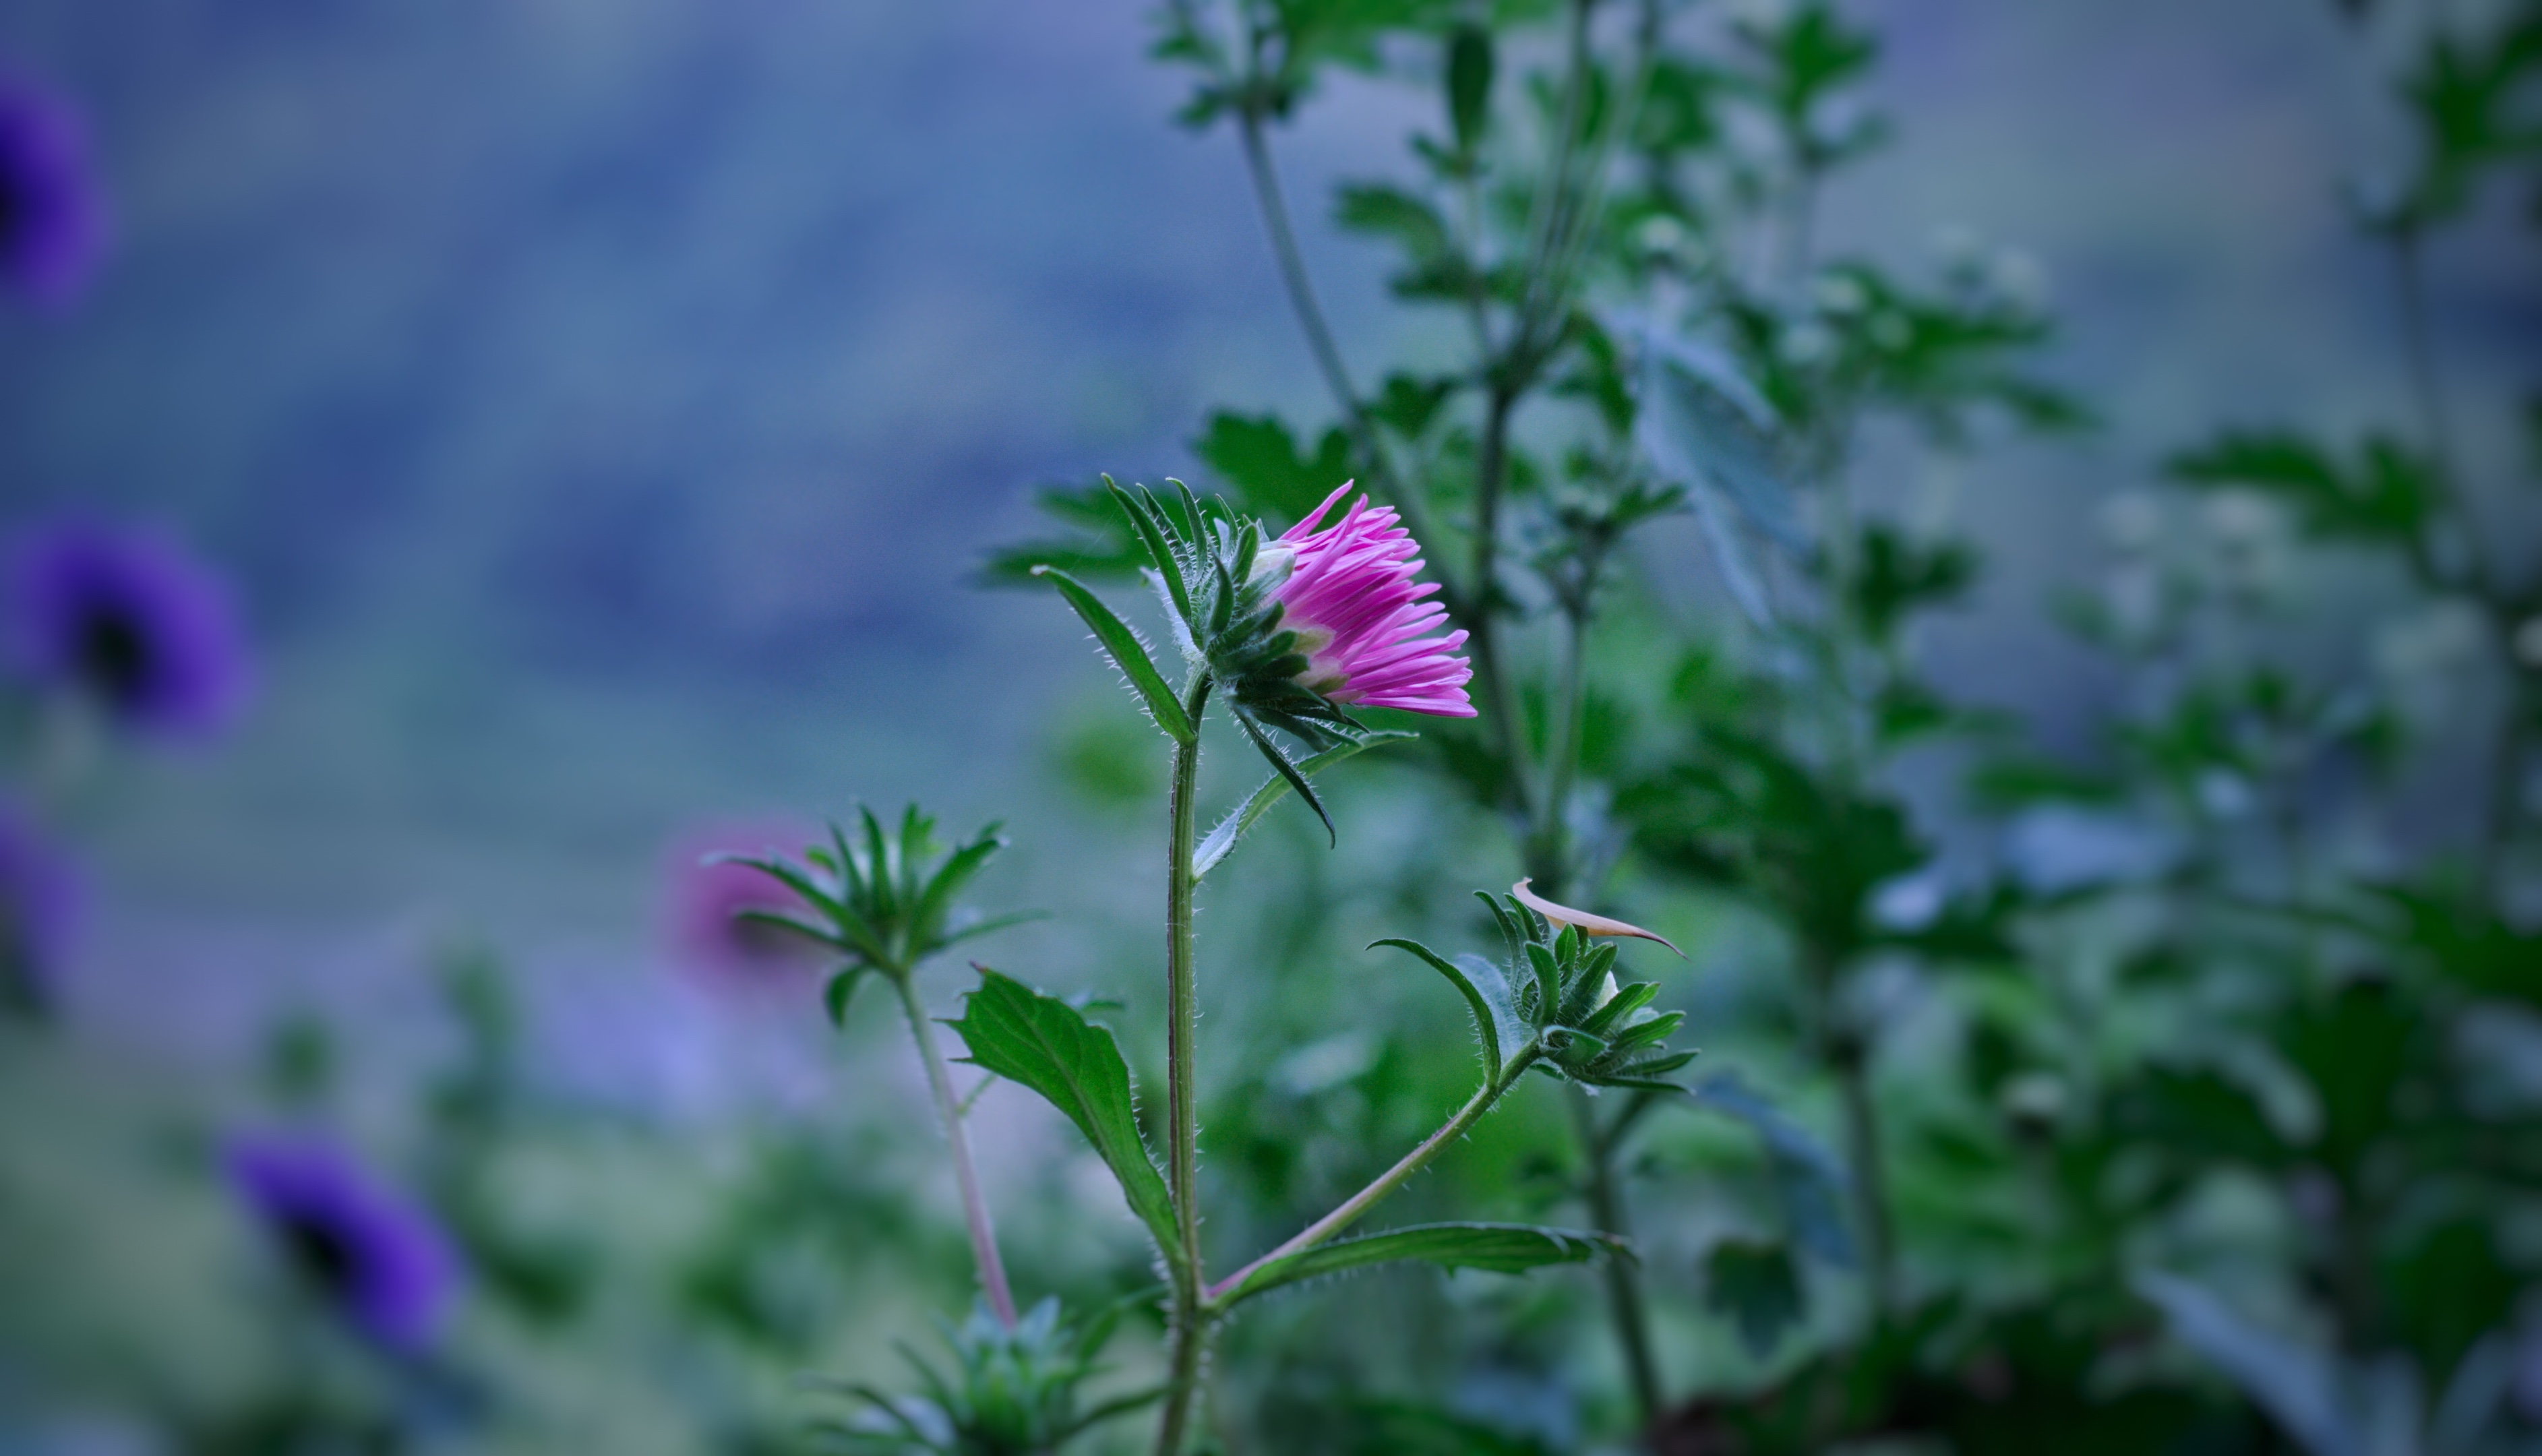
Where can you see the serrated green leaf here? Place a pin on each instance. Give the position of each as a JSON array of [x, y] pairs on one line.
[[1127, 653], [1222, 838], [1500, 1248], [1042, 1042]]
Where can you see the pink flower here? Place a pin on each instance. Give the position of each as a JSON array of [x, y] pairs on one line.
[[703, 901], [1361, 619]]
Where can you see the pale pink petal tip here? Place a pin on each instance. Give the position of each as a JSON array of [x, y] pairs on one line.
[[1367, 624], [1563, 915]]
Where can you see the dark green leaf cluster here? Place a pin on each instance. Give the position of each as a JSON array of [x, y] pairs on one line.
[[1007, 1392], [1745, 813], [1802, 56], [2471, 98], [882, 902], [1897, 576], [1555, 1005], [1267, 59], [1873, 342], [2389, 493], [1101, 546]]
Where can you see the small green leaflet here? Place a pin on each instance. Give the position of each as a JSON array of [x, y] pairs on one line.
[[1126, 652], [1043, 1043], [1501, 1248], [1231, 829]]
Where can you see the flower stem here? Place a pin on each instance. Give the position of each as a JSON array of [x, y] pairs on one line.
[[1350, 1209], [1191, 1322], [975, 1207]]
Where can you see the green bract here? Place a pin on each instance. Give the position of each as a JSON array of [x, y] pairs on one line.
[[883, 903], [1557, 996], [1011, 1392], [1217, 583]]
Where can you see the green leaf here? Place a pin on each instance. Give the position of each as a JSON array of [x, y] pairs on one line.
[[1233, 827], [1261, 460], [1042, 1042], [1756, 1286], [1500, 1248], [1127, 653], [1487, 995], [1391, 212]]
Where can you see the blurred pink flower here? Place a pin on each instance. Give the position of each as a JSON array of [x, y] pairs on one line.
[[700, 901], [1360, 619]]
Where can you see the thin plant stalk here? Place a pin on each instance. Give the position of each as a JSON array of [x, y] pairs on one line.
[[966, 1174], [1358, 1204], [1623, 1291], [1191, 1322]]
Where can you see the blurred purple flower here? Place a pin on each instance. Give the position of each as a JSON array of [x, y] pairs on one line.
[[126, 616], [52, 211], [1361, 619], [378, 1258], [40, 895], [700, 901]]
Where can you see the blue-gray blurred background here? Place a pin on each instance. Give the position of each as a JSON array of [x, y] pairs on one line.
[[604, 404]]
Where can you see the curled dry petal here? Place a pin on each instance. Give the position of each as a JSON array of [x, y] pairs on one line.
[[1563, 915]]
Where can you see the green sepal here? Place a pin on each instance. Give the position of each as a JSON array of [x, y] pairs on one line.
[[1127, 653], [1042, 1042], [1285, 770], [1151, 534], [1487, 996]]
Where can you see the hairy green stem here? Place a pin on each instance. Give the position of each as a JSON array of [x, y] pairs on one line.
[[1605, 1191], [1358, 1204], [1191, 1323], [966, 1174]]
